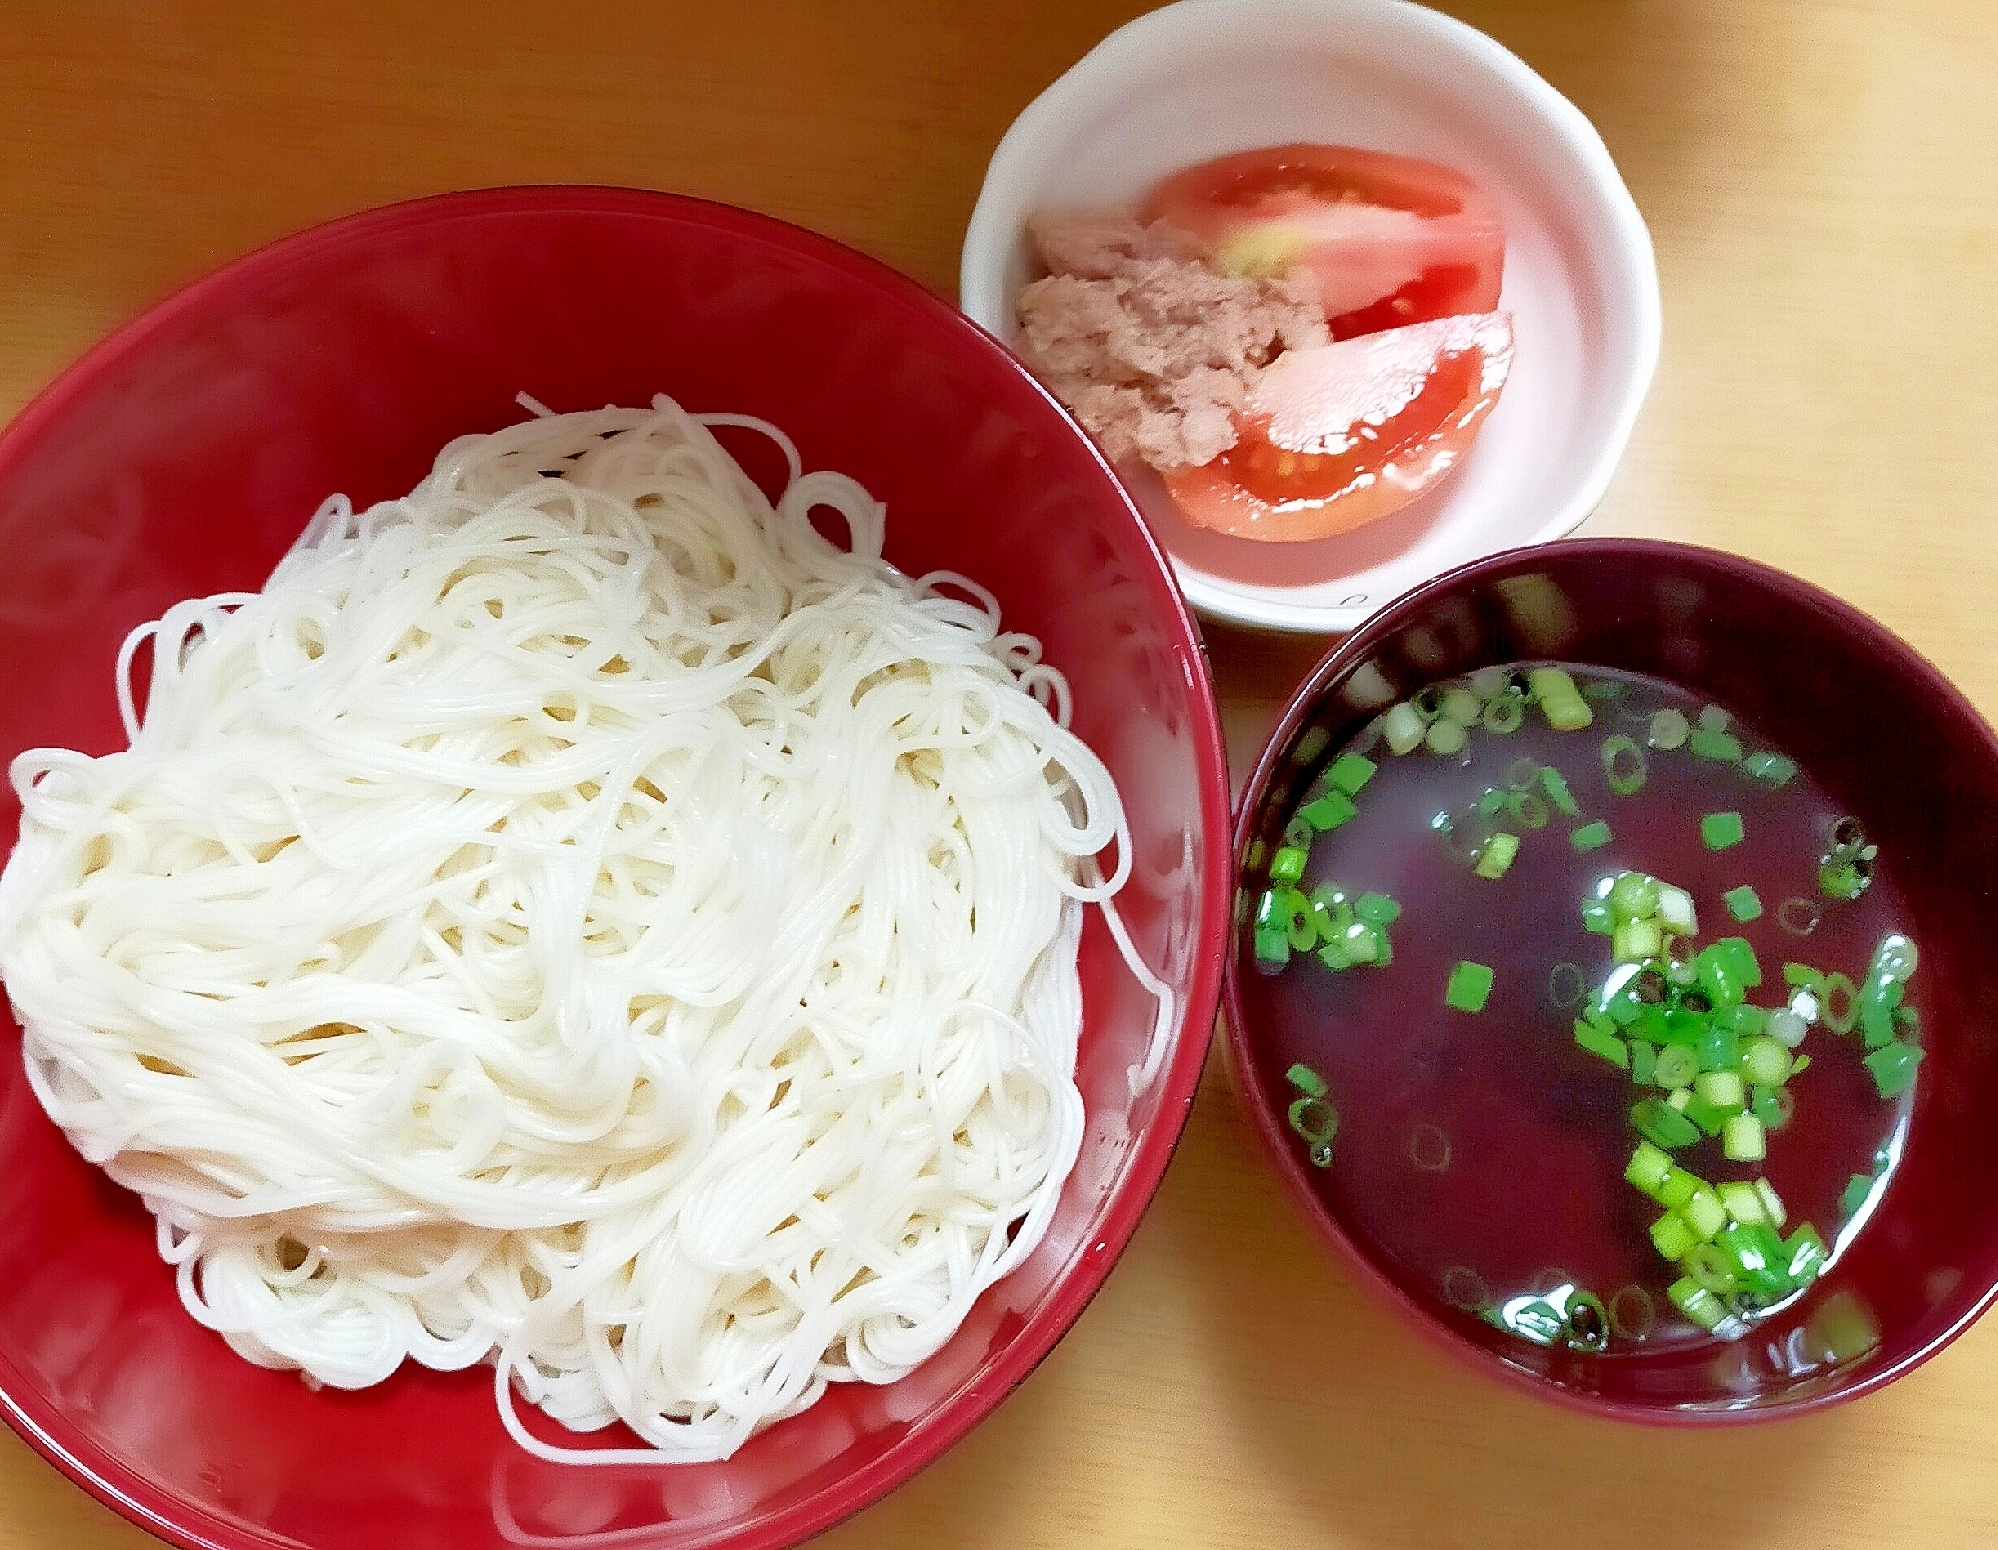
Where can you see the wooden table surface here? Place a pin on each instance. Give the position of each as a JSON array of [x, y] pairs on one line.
[[1821, 177]]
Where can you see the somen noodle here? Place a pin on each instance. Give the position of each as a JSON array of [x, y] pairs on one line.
[[577, 917]]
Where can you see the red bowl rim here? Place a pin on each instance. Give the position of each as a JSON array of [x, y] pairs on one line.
[[1269, 1126], [131, 1493]]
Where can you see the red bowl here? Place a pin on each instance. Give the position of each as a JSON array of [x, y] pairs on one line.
[[1894, 743], [183, 455]]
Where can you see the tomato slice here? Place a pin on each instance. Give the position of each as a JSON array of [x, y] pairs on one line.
[[1384, 240], [1343, 435]]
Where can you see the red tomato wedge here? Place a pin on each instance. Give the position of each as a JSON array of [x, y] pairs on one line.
[[1342, 435], [1384, 240]]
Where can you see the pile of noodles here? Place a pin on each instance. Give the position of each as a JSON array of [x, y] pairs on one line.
[[579, 918]]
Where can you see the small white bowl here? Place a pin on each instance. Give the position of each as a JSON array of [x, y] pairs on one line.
[[1205, 77]]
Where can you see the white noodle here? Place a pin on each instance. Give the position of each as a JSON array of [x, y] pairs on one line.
[[578, 918]]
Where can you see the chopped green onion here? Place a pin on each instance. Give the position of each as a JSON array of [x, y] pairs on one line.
[[1306, 1081], [1597, 1041], [1800, 1065], [1505, 712], [1719, 1048], [1402, 728], [1802, 974], [1668, 729], [1705, 1214], [1841, 880], [1770, 767], [1698, 1304], [1893, 1067], [1756, 1257], [1744, 1204], [1634, 896], [1719, 831], [1303, 931], [1287, 865], [1636, 940], [1773, 1106], [1648, 1168], [1496, 855], [1632, 1313], [1299, 833], [1677, 1065], [1560, 701], [1461, 706], [1743, 903], [1840, 1003], [1643, 1062], [1722, 1089], [1377, 909], [1886, 983], [1318, 1123], [1311, 745], [1717, 746], [1742, 1139], [1858, 1190], [1679, 1188], [1772, 1203], [1714, 719], [1804, 1256], [1671, 1236], [1659, 1123], [1705, 1115], [1272, 948], [1445, 737], [1328, 811], [1591, 836], [1470, 985], [1556, 786], [1766, 1061], [1676, 912], [1350, 772], [1623, 765], [1597, 917], [1712, 1268]]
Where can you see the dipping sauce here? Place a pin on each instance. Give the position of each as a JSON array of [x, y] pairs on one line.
[[1598, 1015]]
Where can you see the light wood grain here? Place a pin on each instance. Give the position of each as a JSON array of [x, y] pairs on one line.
[[1819, 175]]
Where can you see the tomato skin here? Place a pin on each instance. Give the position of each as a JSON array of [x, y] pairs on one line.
[[1345, 434], [1384, 240]]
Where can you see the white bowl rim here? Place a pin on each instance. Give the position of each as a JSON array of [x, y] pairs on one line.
[[1189, 22]]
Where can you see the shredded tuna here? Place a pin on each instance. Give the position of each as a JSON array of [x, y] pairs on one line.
[[1152, 348]]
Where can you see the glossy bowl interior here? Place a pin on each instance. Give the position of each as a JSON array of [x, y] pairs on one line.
[[1205, 77], [182, 457], [1894, 744]]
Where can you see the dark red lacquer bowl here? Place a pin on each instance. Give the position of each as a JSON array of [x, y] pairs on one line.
[[1895, 745], [183, 455]]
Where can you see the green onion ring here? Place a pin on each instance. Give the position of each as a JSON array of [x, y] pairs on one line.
[[1566, 985], [1522, 772], [1624, 765], [1428, 702], [1591, 1332], [1799, 916], [1632, 1313], [1464, 1288], [1839, 1002], [1429, 1148], [1551, 1279], [1505, 712], [1527, 808]]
